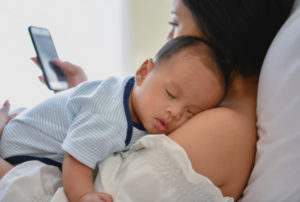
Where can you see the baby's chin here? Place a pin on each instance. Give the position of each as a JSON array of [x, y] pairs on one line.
[[169, 132], [156, 132], [161, 132]]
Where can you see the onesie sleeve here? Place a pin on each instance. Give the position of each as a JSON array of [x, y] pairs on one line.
[[90, 139]]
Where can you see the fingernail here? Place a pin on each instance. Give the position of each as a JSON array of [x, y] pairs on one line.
[[6, 103]]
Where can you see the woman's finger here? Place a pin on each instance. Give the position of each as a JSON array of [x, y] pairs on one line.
[[67, 66], [4, 115], [36, 61], [42, 79], [74, 74], [5, 107], [64, 65]]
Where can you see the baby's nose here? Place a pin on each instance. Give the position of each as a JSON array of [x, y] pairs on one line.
[[177, 113]]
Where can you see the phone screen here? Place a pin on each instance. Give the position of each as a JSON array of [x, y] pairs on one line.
[[44, 46]]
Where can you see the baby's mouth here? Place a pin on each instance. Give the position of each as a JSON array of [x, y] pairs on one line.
[[161, 125]]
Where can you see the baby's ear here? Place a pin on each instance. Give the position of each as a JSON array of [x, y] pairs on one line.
[[143, 71]]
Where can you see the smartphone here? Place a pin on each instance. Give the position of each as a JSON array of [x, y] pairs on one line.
[[46, 53]]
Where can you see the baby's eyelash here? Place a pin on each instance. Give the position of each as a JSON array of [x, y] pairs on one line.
[[172, 96], [174, 24]]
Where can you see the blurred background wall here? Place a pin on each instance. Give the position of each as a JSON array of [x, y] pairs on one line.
[[103, 37], [147, 32]]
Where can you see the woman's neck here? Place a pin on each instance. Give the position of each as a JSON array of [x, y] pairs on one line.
[[242, 92]]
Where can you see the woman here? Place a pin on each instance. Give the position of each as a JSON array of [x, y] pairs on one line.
[[220, 142]]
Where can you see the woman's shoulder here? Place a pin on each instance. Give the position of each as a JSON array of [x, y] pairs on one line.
[[220, 122], [220, 143]]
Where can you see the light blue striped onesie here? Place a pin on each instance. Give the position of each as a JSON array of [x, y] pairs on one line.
[[89, 122]]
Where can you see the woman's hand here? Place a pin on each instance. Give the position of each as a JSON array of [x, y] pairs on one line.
[[74, 74], [96, 197], [4, 116]]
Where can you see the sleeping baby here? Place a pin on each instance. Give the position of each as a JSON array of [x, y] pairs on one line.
[[77, 128]]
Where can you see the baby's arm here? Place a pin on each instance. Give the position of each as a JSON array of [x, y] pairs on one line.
[[78, 182]]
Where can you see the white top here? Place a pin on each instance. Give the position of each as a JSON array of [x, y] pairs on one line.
[[89, 122], [155, 169]]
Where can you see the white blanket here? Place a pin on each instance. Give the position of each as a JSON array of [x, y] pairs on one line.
[[155, 169]]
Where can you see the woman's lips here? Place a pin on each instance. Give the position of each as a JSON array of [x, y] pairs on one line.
[[161, 125]]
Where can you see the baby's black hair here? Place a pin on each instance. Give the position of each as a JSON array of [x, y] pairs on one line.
[[200, 48]]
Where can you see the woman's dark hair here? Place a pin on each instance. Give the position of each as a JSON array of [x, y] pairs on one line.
[[242, 30]]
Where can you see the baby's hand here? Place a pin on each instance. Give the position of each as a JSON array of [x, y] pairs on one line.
[[96, 197]]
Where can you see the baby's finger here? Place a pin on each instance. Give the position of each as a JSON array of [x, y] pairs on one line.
[[105, 197]]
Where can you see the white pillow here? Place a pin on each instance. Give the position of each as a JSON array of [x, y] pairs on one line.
[[276, 174]]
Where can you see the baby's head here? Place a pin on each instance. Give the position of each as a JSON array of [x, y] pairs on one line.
[[182, 80]]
